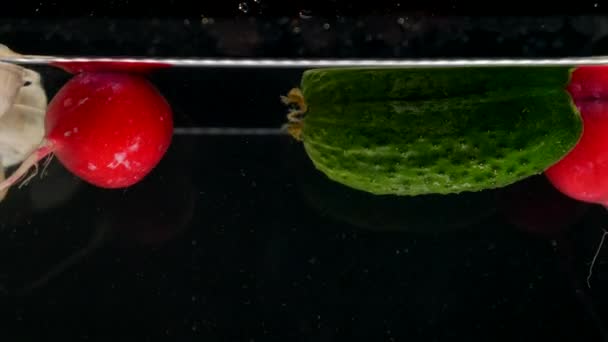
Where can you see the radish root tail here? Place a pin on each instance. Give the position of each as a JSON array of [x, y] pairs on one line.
[[29, 162], [597, 252], [47, 162], [30, 176]]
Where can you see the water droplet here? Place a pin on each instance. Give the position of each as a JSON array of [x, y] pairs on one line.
[[305, 14], [257, 1], [244, 7], [401, 21], [326, 26]]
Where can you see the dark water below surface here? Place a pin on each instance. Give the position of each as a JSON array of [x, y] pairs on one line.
[[238, 238]]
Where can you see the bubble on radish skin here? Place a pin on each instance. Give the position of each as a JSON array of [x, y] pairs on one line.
[[69, 133], [134, 147], [119, 159]]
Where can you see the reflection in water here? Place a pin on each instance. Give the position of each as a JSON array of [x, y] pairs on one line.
[[478, 274], [428, 213], [146, 215], [535, 206], [150, 215], [58, 188]]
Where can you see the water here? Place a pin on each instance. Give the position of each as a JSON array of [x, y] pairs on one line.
[[235, 236]]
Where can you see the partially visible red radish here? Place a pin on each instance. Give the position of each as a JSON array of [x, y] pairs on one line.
[[108, 128], [583, 173]]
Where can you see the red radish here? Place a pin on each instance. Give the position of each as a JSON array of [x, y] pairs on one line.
[[108, 128], [583, 173], [76, 67]]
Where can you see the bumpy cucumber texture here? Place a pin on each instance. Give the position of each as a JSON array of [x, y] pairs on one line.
[[434, 130]]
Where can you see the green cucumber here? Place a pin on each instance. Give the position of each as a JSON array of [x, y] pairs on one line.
[[434, 130]]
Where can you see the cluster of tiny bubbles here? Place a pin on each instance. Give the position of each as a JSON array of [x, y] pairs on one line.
[[243, 7], [246, 6]]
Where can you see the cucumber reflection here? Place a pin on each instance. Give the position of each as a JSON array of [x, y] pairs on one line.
[[423, 214]]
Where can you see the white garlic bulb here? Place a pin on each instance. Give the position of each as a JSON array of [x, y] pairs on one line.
[[23, 103], [11, 80]]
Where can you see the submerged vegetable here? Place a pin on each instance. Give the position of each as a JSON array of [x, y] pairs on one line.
[[583, 173], [11, 81], [108, 128], [423, 131], [23, 103]]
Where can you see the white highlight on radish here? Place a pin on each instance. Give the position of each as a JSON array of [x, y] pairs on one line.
[[119, 159]]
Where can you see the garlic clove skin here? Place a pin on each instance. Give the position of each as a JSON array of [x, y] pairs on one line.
[[7, 52], [33, 94], [22, 126], [12, 78], [22, 111]]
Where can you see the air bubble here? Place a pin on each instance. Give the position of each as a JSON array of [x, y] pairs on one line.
[[206, 21], [244, 7]]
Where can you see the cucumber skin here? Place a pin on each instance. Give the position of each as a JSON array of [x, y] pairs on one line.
[[472, 129]]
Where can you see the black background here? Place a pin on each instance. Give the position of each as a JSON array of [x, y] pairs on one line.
[[270, 8], [239, 238]]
